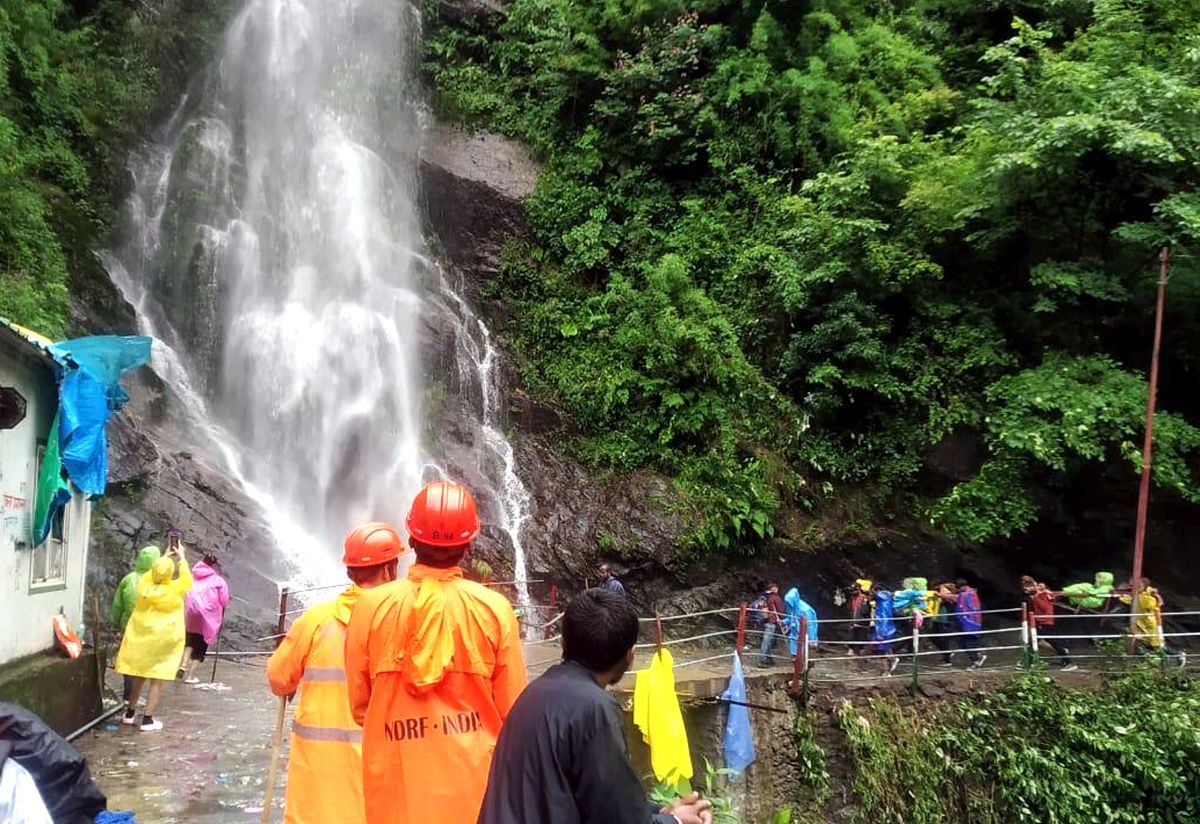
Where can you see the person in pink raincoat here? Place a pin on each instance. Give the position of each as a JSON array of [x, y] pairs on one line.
[[204, 609]]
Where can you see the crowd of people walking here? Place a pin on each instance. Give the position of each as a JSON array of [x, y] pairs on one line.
[[950, 615]]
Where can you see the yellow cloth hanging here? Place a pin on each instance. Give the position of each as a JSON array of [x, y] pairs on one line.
[[656, 713]]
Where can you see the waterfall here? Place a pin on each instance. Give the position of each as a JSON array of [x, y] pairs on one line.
[[272, 246]]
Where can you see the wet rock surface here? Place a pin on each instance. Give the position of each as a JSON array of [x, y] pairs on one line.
[[472, 187], [158, 479]]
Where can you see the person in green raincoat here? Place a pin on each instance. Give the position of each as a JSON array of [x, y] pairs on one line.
[[1092, 598], [153, 642], [125, 598]]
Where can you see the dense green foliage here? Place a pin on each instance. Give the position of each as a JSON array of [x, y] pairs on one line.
[[1034, 752], [782, 248], [78, 82]]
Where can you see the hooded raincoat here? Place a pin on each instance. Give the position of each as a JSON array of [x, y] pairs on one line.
[[125, 598], [325, 783], [153, 642], [1090, 596], [205, 604], [797, 608], [434, 664], [1146, 623]]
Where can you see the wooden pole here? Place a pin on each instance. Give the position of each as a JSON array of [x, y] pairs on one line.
[[273, 770], [1139, 539], [280, 717]]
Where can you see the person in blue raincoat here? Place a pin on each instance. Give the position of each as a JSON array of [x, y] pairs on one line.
[[884, 629], [796, 608]]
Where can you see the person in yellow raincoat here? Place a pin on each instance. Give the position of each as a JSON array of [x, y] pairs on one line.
[[153, 642], [1147, 624], [324, 783], [434, 665]]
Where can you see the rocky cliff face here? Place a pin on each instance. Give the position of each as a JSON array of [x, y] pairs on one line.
[[473, 185]]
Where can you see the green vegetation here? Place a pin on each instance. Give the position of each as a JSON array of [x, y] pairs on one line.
[[78, 82], [784, 249], [1034, 752]]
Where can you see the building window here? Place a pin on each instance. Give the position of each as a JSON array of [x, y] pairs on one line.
[[49, 559]]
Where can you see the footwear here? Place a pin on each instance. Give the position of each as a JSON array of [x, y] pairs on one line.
[[1069, 668], [192, 680], [151, 725], [1182, 659], [179, 674], [979, 662], [895, 663], [946, 664], [129, 718]]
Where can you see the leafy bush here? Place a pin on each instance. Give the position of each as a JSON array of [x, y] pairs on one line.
[[835, 233], [76, 87], [1033, 752]]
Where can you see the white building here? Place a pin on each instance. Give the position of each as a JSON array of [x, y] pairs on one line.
[[36, 583]]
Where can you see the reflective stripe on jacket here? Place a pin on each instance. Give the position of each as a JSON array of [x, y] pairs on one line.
[[324, 783], [434, 665]]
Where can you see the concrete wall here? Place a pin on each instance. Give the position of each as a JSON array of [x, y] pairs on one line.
[[26, 608]]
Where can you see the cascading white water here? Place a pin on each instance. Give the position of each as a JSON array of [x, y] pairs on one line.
[[274, 249], [476, 363]]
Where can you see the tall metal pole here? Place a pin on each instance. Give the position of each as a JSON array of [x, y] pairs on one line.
[[1139, 539]]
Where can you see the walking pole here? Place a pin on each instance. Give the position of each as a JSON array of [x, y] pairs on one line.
[[96, 644], [280, 716], [217, 649]]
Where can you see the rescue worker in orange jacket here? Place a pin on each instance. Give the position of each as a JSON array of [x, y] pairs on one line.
[[434, 665], [325, 766]]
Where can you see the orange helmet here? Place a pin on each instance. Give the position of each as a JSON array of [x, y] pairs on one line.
[[372, 544], [443, 514]]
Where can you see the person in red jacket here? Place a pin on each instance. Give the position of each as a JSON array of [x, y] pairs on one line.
[[772, 625], [860, 617], [1041, 607]]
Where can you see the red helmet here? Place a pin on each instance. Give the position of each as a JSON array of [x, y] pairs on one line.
[[372, 544], [443, 514]]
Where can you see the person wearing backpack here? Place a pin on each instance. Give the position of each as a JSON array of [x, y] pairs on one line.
[[773, 611]]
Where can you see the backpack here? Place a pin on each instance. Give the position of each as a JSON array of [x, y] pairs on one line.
[[758, 611]]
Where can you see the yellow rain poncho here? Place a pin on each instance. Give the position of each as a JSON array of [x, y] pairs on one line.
[[1146, 623], [656, 713], [153, 642]]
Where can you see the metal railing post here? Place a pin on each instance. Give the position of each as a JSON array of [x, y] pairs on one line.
[[1034, 656], [281, 626], [802, 651], [916, 648], [741, 629], [1026, 660]]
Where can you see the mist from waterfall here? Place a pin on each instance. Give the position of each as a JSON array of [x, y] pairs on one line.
[[273, 247]]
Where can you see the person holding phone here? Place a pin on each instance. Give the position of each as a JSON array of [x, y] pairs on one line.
[[153, 642]]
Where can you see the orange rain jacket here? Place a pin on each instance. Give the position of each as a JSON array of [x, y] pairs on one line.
[[435, 665], [324, 783]]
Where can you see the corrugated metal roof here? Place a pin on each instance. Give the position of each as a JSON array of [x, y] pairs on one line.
[[31, 342]]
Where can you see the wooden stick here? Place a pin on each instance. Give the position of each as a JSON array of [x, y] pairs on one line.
[[96, 642], [273, 770]]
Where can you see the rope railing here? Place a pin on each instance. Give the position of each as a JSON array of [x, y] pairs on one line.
[[907, 647]]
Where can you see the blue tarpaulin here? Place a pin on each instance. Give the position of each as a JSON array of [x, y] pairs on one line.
[[739, 740], [89, 389], [797, 607]]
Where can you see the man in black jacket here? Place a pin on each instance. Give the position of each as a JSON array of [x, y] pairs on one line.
[[561, 756]]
